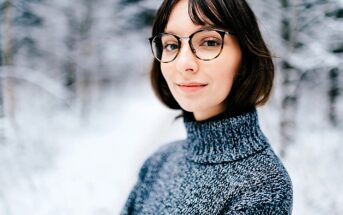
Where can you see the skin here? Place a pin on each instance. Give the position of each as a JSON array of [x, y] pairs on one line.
[[218, 73]]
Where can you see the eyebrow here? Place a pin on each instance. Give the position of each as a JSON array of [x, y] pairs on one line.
[[205, 27]]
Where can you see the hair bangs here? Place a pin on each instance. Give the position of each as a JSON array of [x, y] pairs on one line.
[[162, 16], [203, 12]]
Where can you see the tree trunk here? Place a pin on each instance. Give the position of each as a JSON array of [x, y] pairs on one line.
[[85, 74], [79, 66], [289, 82], [7, 99], [2, 114], [333, 94], [70, 65]]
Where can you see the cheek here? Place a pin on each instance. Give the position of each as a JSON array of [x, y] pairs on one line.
[[222, 84], [166, 72], [224, 72], [167, 75], [233, 67], [231, 58]]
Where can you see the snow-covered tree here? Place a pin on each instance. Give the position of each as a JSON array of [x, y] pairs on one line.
[[305, 37]]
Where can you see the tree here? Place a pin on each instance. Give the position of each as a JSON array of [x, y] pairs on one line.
[[333, 93], [336, 47], [6, 93], [308, 45], [306, 32]]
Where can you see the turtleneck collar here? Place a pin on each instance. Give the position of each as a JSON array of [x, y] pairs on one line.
[[224, 139]]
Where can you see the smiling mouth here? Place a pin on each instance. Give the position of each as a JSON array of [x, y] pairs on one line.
[[198, 85], [191, 87]]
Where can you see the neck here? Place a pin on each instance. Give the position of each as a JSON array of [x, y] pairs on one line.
[[205, 115]]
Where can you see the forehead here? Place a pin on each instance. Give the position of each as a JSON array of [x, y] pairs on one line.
[[179, 21]]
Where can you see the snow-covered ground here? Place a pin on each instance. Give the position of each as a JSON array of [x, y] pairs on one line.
[[59, 165]]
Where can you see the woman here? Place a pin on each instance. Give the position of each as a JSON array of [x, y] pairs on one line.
[[212, 63]]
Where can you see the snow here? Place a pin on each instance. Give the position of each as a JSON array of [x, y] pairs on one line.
[[89, 168]]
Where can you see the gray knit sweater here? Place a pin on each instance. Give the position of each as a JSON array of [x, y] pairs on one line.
[[225, 166]]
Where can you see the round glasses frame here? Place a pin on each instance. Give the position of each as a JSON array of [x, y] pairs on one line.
[[222, 33]]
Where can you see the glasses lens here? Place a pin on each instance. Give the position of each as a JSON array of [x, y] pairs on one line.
[[207, 44], [165, 47]]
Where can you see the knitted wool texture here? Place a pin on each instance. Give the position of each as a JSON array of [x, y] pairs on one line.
[[225, 166]]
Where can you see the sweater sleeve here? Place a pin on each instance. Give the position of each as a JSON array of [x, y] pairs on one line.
[[146, 177], [137, 193]]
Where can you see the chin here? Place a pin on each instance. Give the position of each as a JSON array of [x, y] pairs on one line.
[[186, 107], [190, 108]]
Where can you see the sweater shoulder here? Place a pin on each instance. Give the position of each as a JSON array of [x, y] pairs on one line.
[[165, 151], [274, 168], [266, 182], [156, 160]]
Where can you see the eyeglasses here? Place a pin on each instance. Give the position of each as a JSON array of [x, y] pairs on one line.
[[205, 44]]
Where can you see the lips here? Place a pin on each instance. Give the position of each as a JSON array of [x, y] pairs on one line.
[[191, 84], [191, 87]]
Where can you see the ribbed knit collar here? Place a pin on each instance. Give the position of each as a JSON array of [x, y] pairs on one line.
[[223, 138]]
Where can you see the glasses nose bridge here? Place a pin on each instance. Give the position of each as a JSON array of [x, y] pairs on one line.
[[189, 41], [185, 38]]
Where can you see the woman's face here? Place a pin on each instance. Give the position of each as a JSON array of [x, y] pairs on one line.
[[199, 86]]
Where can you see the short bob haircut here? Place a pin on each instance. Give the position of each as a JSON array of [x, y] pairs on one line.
[[254, 80]]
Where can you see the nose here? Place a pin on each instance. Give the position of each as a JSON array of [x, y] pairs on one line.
[[186, 60]]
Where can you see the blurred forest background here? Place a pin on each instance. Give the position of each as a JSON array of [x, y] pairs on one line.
[[78, 118]]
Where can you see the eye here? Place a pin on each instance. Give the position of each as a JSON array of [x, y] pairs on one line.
[[211, 42], [170, 46]]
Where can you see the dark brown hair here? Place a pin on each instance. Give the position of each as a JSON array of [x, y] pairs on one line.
[[254, 81]]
